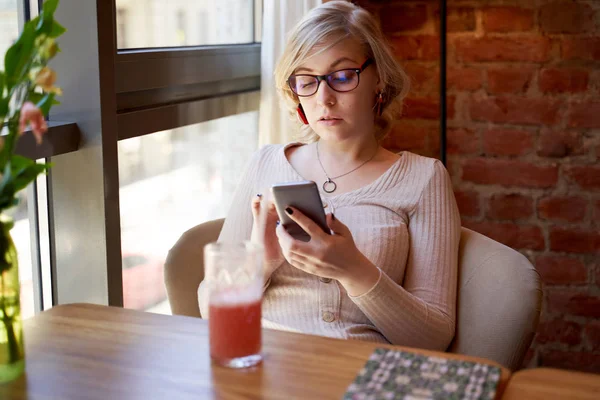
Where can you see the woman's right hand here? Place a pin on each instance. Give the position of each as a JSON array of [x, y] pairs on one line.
[[273, 254]]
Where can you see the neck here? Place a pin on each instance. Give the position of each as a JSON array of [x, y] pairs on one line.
[[347, 152], [339, 159]]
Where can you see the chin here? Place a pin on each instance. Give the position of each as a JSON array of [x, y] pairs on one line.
[[336, 135]]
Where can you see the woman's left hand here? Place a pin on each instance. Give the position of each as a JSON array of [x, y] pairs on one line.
[[332, 256]]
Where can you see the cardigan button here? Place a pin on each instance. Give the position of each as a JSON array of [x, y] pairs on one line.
[[328, 317]]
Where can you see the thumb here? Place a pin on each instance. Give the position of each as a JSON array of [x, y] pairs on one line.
[[336, 225]]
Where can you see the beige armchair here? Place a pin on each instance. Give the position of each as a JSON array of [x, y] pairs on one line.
[[499, 293]]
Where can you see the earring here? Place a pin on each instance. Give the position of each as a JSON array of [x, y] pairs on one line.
[[301, 114], [379, 104]]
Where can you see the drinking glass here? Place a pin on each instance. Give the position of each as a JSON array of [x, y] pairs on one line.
[[234, 274]]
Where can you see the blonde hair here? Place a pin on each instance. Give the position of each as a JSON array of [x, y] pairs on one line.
[[336, 21]]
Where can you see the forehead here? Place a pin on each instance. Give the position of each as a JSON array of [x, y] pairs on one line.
[[322, 56]]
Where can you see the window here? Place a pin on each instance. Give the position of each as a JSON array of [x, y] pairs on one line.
[[163, 23], [122, 28], [170, 182], [9, 24], [29, 233], [177, 108]]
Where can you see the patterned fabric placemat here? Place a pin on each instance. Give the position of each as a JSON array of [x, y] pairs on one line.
[[393, 374]]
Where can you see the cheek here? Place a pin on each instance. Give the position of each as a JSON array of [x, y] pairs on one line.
[[360, 107]]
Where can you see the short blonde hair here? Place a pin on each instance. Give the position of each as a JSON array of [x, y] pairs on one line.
[[338, 20]]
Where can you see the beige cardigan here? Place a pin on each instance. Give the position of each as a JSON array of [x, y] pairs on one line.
[[406, 222]]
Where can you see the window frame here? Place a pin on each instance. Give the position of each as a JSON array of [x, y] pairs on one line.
[[112, 95]]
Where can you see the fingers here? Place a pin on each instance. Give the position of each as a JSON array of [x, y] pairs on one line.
[[305, 223], [336, 226], [255, 205], [288, 244]]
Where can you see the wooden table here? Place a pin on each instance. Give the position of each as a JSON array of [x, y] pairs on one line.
[[548, 383], [82, 351]]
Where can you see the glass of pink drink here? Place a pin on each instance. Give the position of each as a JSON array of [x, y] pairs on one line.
[[234, 275]]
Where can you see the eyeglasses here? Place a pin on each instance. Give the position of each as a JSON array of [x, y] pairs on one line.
[[343, 80]]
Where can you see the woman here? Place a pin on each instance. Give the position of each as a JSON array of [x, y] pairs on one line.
[[389, 271]]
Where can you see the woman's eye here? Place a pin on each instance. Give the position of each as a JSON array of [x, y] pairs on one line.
[[342, 78], [307, 84]]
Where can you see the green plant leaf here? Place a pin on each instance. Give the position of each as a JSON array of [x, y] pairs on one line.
[[45, 103], [46, 23], [24, 170], [18, 55], [19, 163], [56, 30], [6, 180], [28, 175], [3, 110], [50, 7], [1, 83], [34, 97]]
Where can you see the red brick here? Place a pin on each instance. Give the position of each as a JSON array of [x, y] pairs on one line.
[[509, 80], [515, 110], [507, 19], [560, 144], [399, 18], [566, 17], [468, 203], [560, 270], [509, 173], [562, 208], [585, 115], [462, 141], [426, 107], [509, 206], [433, 144], [585, 176], [592, 335], [507, 142], [464, 79], [530, 48], [579, 361], [597, 213], [574, 240], [587, 49], [510, 234], [407, 135], [594, 82], [460, 19], [559, 331], [564, 80], [416, 47], [424, 78], [574, 302]]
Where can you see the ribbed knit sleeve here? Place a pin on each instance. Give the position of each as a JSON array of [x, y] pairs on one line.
[[421, 310]]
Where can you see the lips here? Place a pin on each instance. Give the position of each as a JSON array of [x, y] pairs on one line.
[[328, 118]]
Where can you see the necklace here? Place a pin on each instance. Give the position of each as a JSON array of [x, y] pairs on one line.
[[329, 185]]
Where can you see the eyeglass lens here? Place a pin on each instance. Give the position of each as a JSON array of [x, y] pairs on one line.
[[340, 81]]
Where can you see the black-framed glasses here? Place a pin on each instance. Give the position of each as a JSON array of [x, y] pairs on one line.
[[343, 80]]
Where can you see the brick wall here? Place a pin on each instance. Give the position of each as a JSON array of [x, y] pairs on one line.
[[523, 142]]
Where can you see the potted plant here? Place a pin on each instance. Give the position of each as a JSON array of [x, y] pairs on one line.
[[27, 93]]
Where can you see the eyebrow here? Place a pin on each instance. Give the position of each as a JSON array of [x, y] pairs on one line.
[[337, 62]]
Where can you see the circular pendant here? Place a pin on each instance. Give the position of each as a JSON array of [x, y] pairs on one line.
[[329, 186]]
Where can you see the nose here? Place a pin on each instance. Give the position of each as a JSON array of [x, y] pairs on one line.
[[325, 95]]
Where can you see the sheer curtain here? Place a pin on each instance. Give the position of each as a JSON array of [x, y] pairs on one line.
[[279, 16]]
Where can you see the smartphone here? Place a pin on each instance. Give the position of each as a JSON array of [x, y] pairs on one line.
[[304, 196]]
